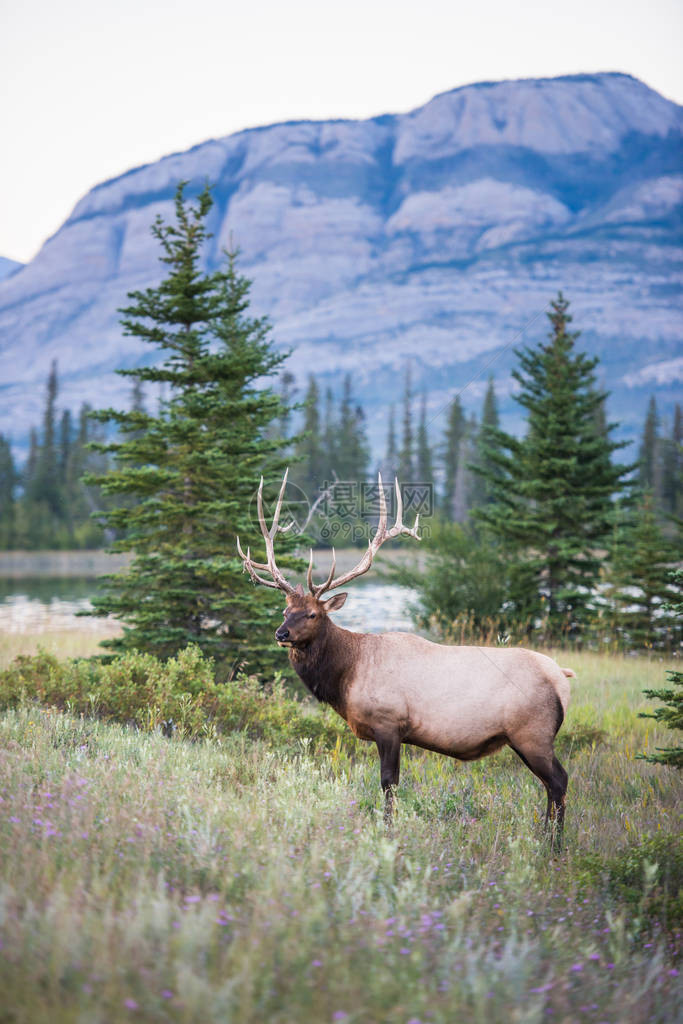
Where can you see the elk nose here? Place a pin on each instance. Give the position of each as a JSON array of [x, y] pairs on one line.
[[282, 633]]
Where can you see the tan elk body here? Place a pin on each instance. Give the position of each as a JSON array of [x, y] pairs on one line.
[[395, 688]]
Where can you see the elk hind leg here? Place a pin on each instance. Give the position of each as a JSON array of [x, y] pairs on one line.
[[548, 769]]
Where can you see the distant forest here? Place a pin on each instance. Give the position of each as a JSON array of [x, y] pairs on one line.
[[46, 505]]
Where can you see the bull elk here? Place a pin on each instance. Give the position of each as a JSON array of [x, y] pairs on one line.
[[394, 688]]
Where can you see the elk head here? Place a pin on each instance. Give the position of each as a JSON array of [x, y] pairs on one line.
[[305, 618], [305, 614]]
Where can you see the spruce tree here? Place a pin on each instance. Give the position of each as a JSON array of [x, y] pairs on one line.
[[25, 520], [46, 481], [671, 714], [66, 484], [194, 466], [462, 489], [552, 490], [361, 446], [308, 470], [672, 468], [454, 436], [137, 402], [88, 499], [600, 418], [8, 482], [343, 419], [648, 455], [424, 467], [406, 465], [640, 586], [286, 390], [483, 465], [41, 504], [390, 467], [330, 437]]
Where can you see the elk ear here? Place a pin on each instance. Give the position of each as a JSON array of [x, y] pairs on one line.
[[299, 590], [333, 604]]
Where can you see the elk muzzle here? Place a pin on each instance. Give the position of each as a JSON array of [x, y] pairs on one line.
[[282, 636]]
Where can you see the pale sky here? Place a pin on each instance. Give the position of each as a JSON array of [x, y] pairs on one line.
[[89, 90]]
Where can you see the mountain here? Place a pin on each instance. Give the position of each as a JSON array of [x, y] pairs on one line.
[[435, 237], [8, 267]]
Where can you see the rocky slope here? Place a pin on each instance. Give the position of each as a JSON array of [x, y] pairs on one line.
[[435, 237]]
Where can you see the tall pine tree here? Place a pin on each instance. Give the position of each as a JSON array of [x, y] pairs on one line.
[[670, 715], [330, 444], [552, 490], [42, 509], [483, 465], [641, 586], [8, 482], [194, 466], [649, 452], [672, 468], [406, 464], [390, 464], [309, 469], [424, 467], [352, 447], [453, 450]]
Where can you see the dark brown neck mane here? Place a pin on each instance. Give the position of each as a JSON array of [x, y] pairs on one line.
[[325, 665]]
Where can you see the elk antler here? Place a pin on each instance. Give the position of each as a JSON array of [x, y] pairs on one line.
[[278, 581], [373, 546]]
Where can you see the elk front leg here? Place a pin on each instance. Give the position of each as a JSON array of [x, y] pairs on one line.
[[389, 749]]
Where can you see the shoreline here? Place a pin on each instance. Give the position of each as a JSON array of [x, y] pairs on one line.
[[34, 565]]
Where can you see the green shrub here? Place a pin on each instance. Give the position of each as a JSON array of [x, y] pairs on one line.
[[647, 878], [468, 590], [179, 695]]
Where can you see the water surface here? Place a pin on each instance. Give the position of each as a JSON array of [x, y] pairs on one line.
[[46, 604]]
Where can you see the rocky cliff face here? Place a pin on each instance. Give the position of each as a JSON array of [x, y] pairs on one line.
[[436, 237]]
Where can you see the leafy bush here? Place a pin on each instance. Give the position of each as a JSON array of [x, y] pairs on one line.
[[467, 592], [647, 878], [178, 695]]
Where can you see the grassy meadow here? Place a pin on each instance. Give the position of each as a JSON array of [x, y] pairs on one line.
[[64, 643], [234, 879]]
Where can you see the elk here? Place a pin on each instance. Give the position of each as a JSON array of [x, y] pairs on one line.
[[396, 688]]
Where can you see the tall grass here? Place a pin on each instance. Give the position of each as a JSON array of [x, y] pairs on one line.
[[64, 643], [151, 879]]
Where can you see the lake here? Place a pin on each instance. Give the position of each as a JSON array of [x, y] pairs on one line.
[[48, 604]]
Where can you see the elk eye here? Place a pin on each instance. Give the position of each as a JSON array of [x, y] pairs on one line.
[[312, 615]]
